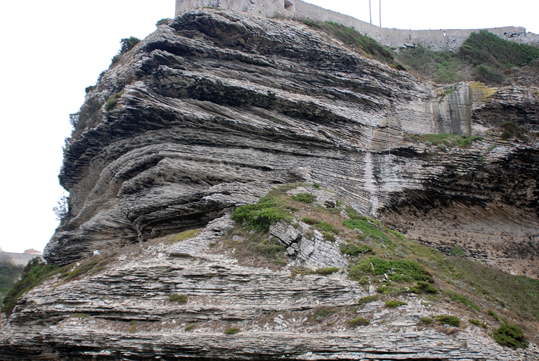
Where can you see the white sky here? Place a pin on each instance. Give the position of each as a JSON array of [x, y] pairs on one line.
[[51, 50]]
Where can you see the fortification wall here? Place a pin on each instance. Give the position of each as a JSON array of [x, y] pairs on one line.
[[297, 9]]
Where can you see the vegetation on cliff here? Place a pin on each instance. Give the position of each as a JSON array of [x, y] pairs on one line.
[[483, 57], [383, 257], [9, 273]]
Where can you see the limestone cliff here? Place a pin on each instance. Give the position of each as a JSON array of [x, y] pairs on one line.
[[214, 100], [211, 112]]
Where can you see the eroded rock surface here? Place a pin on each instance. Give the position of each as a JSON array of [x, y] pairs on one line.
[[216, 107], [123, 312]]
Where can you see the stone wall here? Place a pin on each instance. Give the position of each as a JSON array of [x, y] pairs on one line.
[[447, 39]]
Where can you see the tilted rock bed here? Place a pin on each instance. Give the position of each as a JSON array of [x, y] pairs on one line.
[[123, 310]]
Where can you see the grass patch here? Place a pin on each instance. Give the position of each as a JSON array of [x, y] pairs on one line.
[[232, 331], [426, 320], [326, 271], [261, 215], [132, 327], [445, 139], [368, 229], [359, 321], [423, 287], [368, 299], [458, 297], [185, 235], [304, 197], [482, 57], [81, 316], [394, 303], [190, 327], [178, 298], [112, 101], [510, 335], [322, 312], [397, 270], [354, 249], [362, 43], [448, 320]]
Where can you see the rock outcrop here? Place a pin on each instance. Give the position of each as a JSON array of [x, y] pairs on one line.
[[214, 103], [211, 112], [123, 311]]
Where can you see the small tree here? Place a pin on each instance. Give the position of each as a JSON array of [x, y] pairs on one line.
[[62, 208], [128, 44]]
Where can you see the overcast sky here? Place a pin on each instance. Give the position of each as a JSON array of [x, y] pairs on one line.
[[52, 50]]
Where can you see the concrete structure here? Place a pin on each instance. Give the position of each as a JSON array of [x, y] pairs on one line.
[[297, 9]]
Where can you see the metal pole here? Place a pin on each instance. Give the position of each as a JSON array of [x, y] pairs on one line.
[[370, 11], [380, 7]]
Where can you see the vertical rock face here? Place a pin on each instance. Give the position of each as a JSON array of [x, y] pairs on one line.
[[215, 107]]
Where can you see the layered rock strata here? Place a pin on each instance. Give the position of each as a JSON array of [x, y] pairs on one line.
[[123, 311], [211, 110]]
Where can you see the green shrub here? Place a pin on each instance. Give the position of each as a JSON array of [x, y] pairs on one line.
[[450, 140], [232, 331], [423, 287], [316, 185], [458, 297], [489, 49], [363, 43], [510, 335], [113, 100], [190, 326], [133, 327], [457, 251], [354, 249], [9, 274], [270, 249], [310, 221], [326, 271], [385, 289], [368, 299], [397, 270], [360, 321], [330, 237], [478, 323], [32, 274], [325, 226], [128, 44], [494, 315], [395, 303], [178, 298], [367, 228], [304, 197], [261, 215], [323, 312], [164, 21], [511, 130], [448, 320], [426, 320]]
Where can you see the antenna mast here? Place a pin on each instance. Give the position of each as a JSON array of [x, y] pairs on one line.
[[380, 6]]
